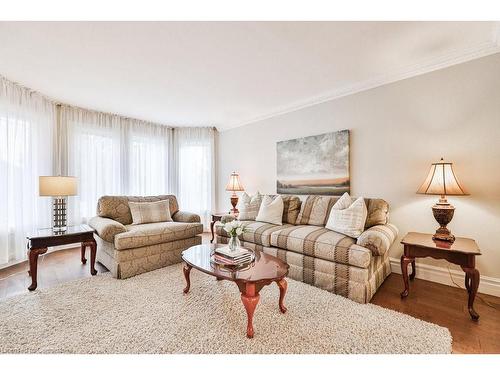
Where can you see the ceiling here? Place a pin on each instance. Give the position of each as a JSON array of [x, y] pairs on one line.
[[227, 74]]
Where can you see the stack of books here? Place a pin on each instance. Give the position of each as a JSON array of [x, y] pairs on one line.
[[227, 257]]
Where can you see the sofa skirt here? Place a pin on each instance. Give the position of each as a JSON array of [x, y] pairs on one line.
[[355, 283], [130, 262]]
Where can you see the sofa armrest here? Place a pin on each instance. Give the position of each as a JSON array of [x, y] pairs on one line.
[[227, 218], [107, 228], [186, 217], [378, 238]]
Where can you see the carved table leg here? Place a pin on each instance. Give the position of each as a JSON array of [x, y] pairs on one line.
[[471, 284], [413, 270], [212, 223], [33, 259], [84, 247], [283, 285], [187, 269], [404, 270], [93, 250], [250, 299]]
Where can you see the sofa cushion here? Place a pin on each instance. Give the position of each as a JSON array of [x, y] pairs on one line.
[[256, 232], [314, 210], [155, 233], [117, 208], [322, 243]]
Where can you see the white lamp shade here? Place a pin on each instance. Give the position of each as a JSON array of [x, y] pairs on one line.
[[57, 186], [442, 180], [234, 183]]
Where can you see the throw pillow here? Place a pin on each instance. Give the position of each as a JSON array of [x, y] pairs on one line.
[[150, 212], [291, 208], [249, 206], [348, 217], [314, 210], [271, 211], [378, 212]]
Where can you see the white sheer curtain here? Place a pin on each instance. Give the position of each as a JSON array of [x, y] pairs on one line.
[[194, 176], [91, 149], [148, 158], [27, 122], [111, 155]]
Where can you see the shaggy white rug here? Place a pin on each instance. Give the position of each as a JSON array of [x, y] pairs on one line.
[[149, 314]]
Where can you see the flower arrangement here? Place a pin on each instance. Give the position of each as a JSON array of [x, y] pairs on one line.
[[234, 229]]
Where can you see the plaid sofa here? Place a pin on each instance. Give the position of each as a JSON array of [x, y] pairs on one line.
[[128, 250], [353, 268]]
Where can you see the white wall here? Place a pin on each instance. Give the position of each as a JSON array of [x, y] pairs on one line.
[[397, 131]]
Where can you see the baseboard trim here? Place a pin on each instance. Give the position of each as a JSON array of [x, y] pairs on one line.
[[487, 285]]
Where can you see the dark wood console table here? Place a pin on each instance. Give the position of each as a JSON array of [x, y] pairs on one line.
[[462, 252], [39, 241]]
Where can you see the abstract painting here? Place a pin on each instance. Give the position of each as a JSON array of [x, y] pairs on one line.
[[318, 164]]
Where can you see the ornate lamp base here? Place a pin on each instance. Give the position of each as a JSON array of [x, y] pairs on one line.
[[443, 213], [234, 202]]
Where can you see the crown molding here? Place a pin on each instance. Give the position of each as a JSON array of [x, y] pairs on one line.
[[443, 61]]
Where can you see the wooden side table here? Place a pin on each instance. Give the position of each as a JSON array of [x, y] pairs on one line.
[[462, 252], [215, 218], [39, 241]]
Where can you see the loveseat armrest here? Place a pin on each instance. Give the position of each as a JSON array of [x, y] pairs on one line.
[[378, 238], [107, 228], [186, 217]]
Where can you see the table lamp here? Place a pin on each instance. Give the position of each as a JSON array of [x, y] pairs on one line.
[[442, 181], [234, 185], [58, 187]]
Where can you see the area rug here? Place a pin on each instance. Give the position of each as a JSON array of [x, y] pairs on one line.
[[149, 314]]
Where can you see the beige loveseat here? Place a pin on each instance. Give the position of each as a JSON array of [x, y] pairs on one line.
[[128, 250], [353, 268]]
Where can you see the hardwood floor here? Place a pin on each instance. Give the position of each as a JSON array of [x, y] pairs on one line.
[[436, 303], [446, 306]]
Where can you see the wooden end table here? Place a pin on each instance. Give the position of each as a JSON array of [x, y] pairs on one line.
[[39, 241], [461, 252], [215, 218], [264, 270]]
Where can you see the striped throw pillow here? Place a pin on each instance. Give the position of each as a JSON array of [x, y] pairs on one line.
[[150, 212], [314, 211]]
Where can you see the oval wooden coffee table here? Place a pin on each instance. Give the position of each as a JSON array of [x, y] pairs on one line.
[[250, 279]]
